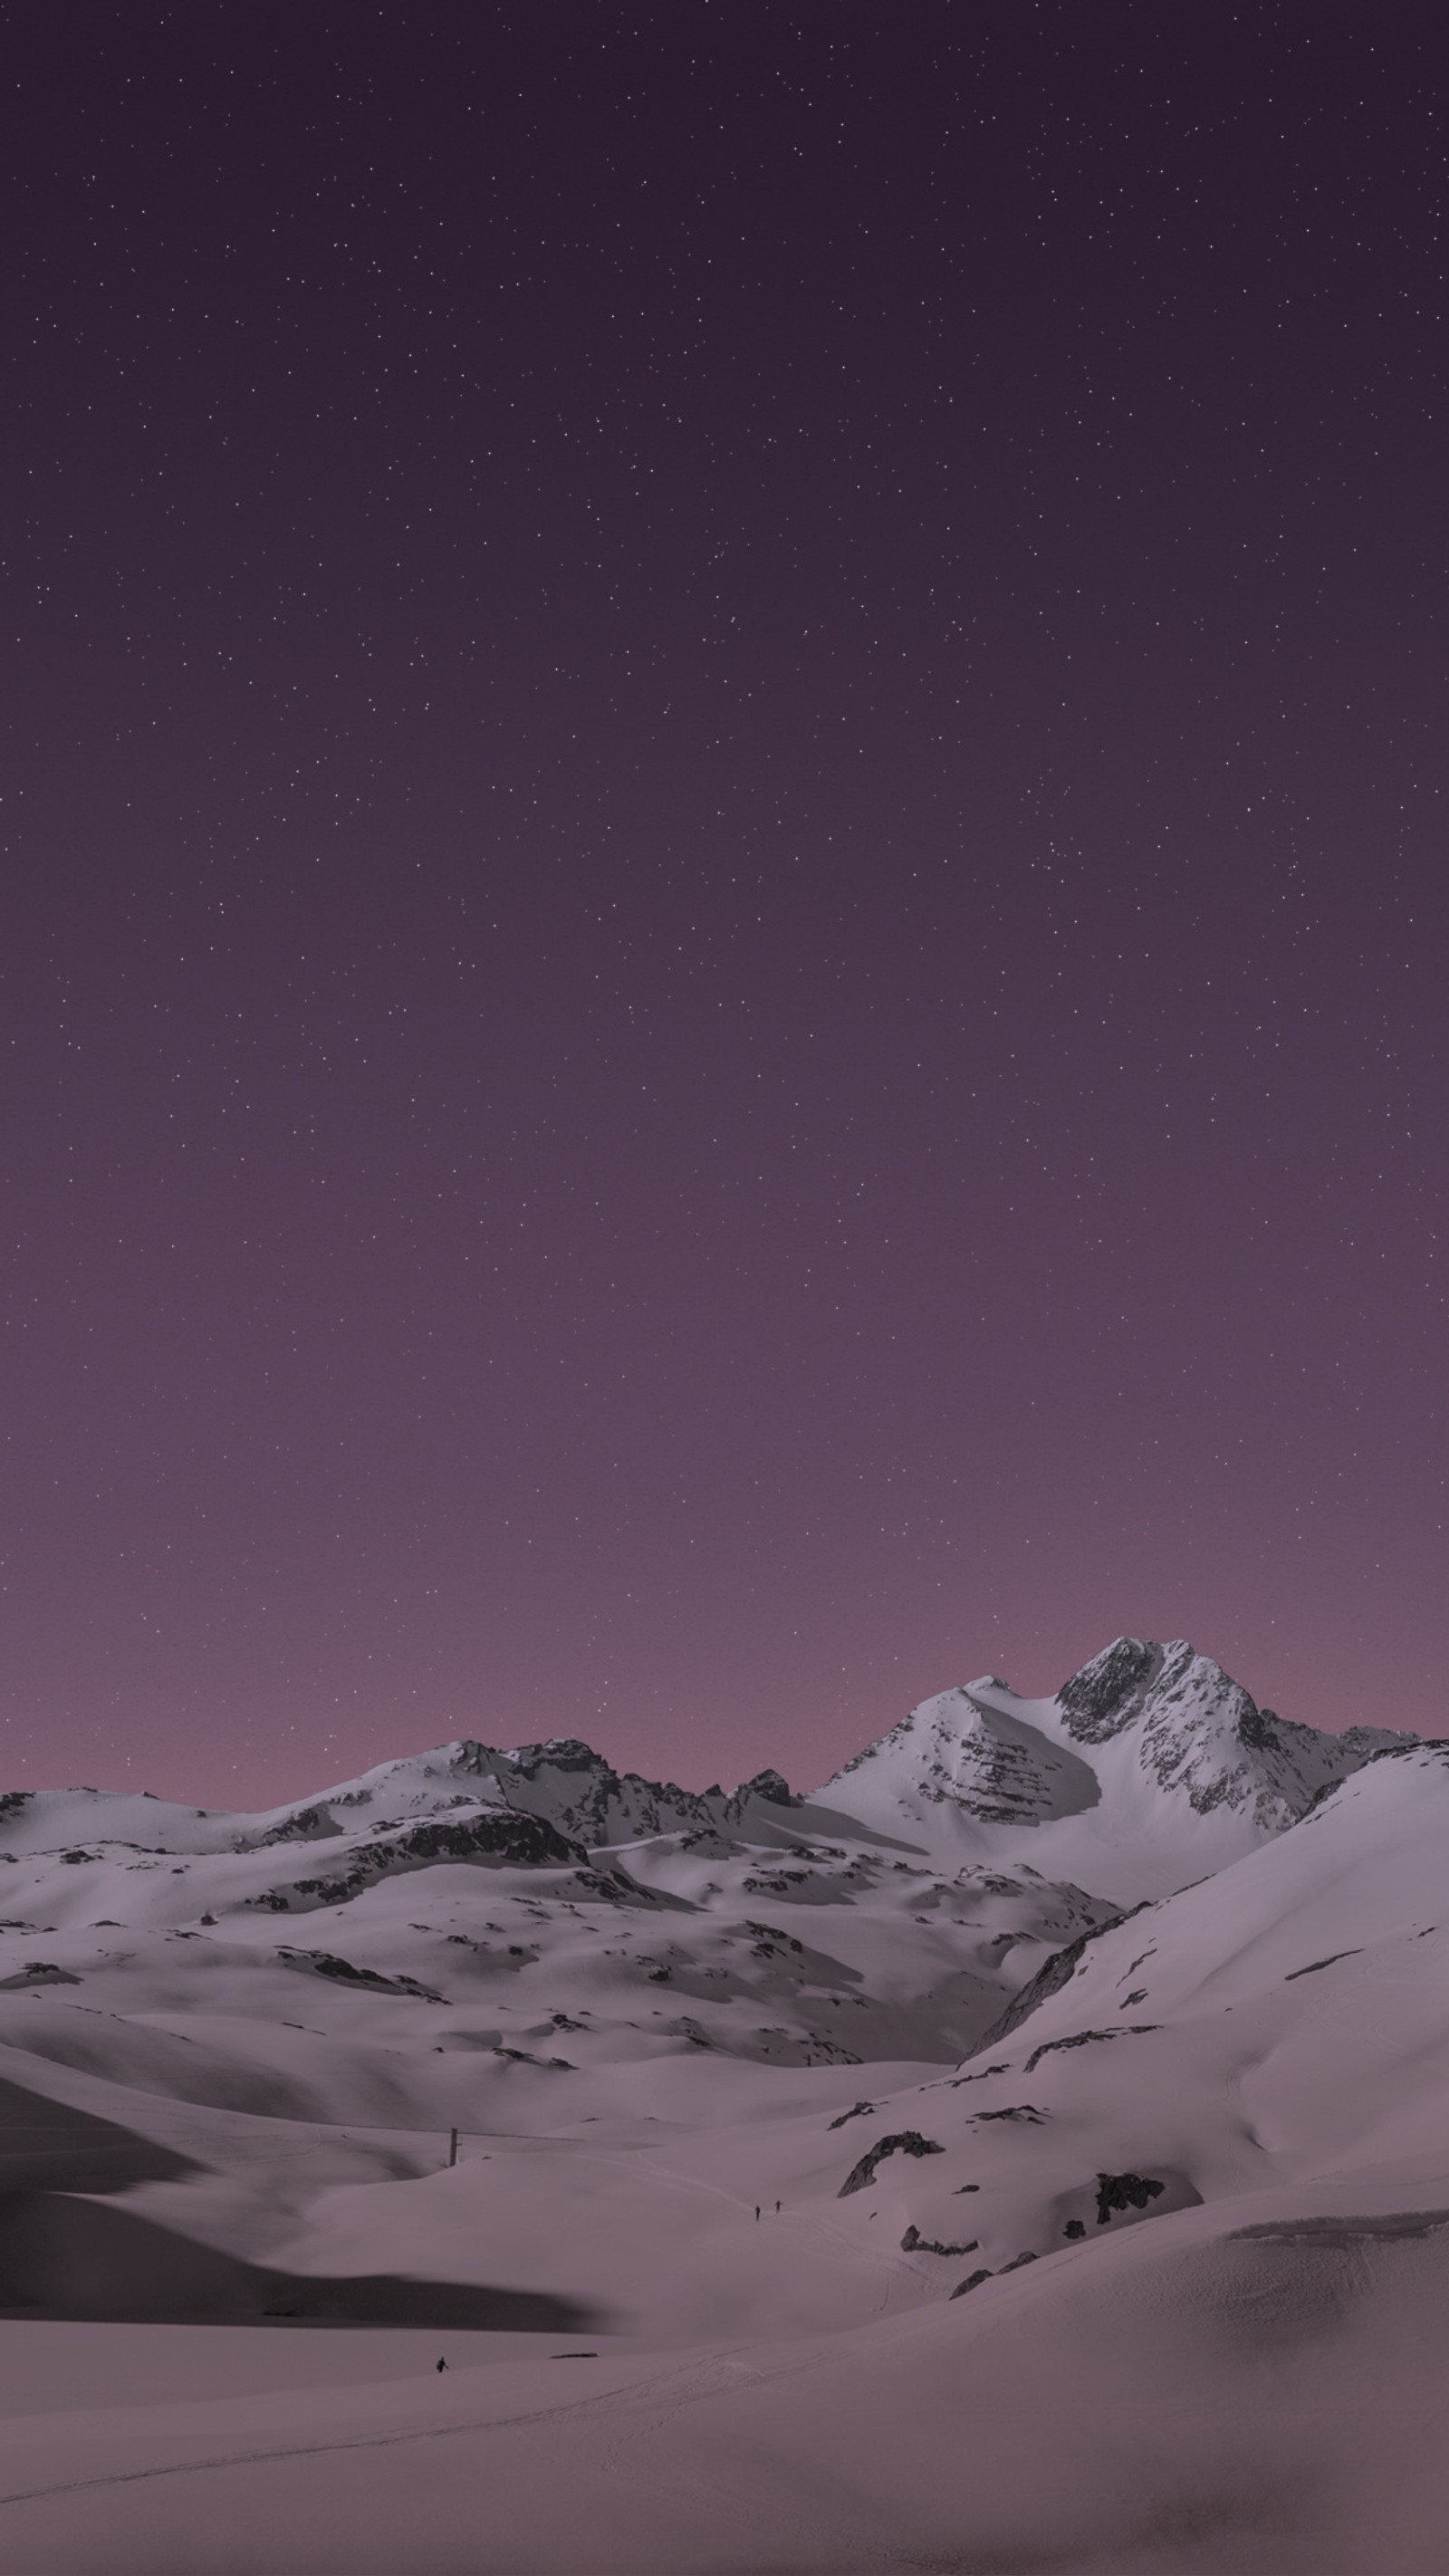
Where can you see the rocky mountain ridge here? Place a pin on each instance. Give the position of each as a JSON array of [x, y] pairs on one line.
[[1140, 1745]]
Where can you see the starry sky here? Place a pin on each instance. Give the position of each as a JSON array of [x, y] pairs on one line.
[[723, 916]]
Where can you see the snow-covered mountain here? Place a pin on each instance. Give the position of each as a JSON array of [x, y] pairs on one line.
[[893, 1914], [512, 2045], [1150, 1766]]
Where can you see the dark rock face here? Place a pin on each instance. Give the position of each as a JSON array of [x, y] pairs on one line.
[[913, 2242], [323, 1964], [1050, 1977], [1084, 2038], [1107, 1693], [904, 2142], [1197, 1716], [307, 1825], [502, 1834], [1004, 1773], [1381, 1743], [526, 1841], [767, 1784], [1258, 1727], [1124, 2191], [1202, 1737], [560, 1753], [1314, 1965], [857, 2111], [972, 2281], [596, 1804]]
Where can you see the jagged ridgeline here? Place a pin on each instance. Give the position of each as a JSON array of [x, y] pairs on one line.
[[497, 1948]]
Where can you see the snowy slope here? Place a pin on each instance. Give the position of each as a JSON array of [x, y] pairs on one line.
[[1211, 2396], [868, 2080]]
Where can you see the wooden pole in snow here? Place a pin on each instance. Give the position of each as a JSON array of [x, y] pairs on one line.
[[452, 2146]]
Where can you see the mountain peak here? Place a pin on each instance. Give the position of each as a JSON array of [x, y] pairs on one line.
[[1106, 1693], [1198, 1732], [956, 1758], [1148, 1765]]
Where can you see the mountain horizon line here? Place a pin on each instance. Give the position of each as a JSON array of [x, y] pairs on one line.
[[969, 1765]]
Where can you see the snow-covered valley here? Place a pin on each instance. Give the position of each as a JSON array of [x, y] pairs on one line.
[[1078, 2060]]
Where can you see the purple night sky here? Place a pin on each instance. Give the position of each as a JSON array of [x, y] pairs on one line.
[[723, 930]]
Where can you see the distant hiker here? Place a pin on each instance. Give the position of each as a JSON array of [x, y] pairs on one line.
[[442, 2365], [757, 2209], [777, 2209]]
